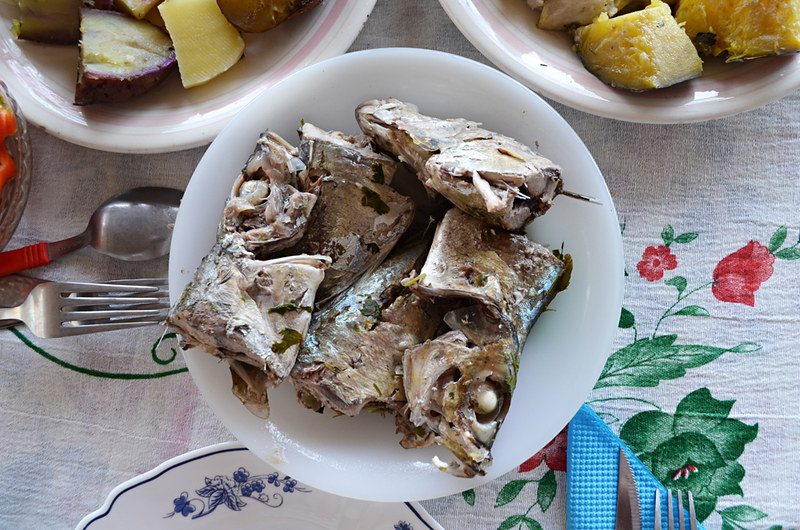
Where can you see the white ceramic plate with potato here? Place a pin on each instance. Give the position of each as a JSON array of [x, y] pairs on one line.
[[361, 457], [169, 117], [505, 32]]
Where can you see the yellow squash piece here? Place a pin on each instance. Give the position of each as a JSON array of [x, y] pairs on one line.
[[638, 51], [744, 29], [206, 44]]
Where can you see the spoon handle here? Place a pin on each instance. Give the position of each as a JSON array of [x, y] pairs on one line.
[[23, 258]]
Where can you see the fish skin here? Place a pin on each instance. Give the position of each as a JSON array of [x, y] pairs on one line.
[[353, 351], [487, 174], [472, 259], [334, 153], [357, 236], [399, 128], [226, 308]]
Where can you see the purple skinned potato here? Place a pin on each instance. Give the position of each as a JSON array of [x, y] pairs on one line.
[[120, 57]]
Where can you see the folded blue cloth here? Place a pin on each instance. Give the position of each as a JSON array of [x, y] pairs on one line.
[[592, 466]]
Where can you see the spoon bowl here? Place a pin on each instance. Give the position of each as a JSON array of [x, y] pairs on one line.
[[134, 225]]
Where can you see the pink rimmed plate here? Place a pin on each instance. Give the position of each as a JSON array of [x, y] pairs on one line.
[[170, 118], [505, 32]]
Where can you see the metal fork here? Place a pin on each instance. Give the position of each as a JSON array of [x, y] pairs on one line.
[[61, 309], [670, 517]]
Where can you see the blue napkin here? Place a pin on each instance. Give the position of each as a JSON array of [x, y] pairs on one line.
[[592, 466]]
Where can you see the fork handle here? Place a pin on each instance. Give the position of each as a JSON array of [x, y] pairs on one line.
[[24, 258]]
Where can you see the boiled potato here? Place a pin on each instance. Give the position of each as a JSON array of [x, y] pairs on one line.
[[742, 29], [206, 44], [260, 15], [120, 57], [638, 51]]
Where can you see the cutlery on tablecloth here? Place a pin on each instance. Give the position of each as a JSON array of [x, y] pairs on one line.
[[134, 225], [60, 309], [629, 509], [593, 475]]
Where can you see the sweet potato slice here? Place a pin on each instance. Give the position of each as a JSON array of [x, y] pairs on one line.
[[121, 57]]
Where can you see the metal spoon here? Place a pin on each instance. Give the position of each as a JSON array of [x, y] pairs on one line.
[[134, 225]]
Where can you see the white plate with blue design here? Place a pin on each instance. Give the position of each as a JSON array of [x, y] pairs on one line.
[[227, 486]]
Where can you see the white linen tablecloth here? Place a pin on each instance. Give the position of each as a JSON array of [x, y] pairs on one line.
[[709, 201]]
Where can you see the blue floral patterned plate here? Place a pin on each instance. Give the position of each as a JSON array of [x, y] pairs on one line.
[[227, 486]]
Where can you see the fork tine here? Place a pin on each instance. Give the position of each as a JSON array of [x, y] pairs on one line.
[[79, 287], [73, 301], [692, 516], [657, 511], [84, 316], [681, 518], [670, 516], [140, 281], [67, 331]]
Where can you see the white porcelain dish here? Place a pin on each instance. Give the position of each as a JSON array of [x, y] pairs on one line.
[[227, 486], [361, 457], [170, 118], [505, 32]]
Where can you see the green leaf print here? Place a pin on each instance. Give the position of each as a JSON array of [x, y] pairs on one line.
[[789, 253], [547, 490], [678, 282], [777, 239], [646, 362], [691, 311], [469, 496], [668, 235], [688, 237], [517, 521], [510, 492], [695, 449], [626, 319]]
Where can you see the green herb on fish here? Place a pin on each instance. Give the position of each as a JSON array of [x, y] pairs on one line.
[[377, 174], [412, 281], [566, 275], [289, 338], [372, 199], [371, 309], [289, 306], [377, 389]]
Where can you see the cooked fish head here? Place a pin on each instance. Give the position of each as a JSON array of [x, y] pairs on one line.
[[461, 391], [399, 128], [497, 179], [334, 153], [267, 206]]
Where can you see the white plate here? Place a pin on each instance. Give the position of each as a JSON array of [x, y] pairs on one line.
[[227, 486], [361, 457], [505, 32], [169, 118]]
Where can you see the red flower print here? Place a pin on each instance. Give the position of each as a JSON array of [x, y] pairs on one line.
[[739, 275], [655, 261], [554, 455]]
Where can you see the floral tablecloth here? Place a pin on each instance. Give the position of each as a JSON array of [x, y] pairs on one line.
[[702, 382]]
